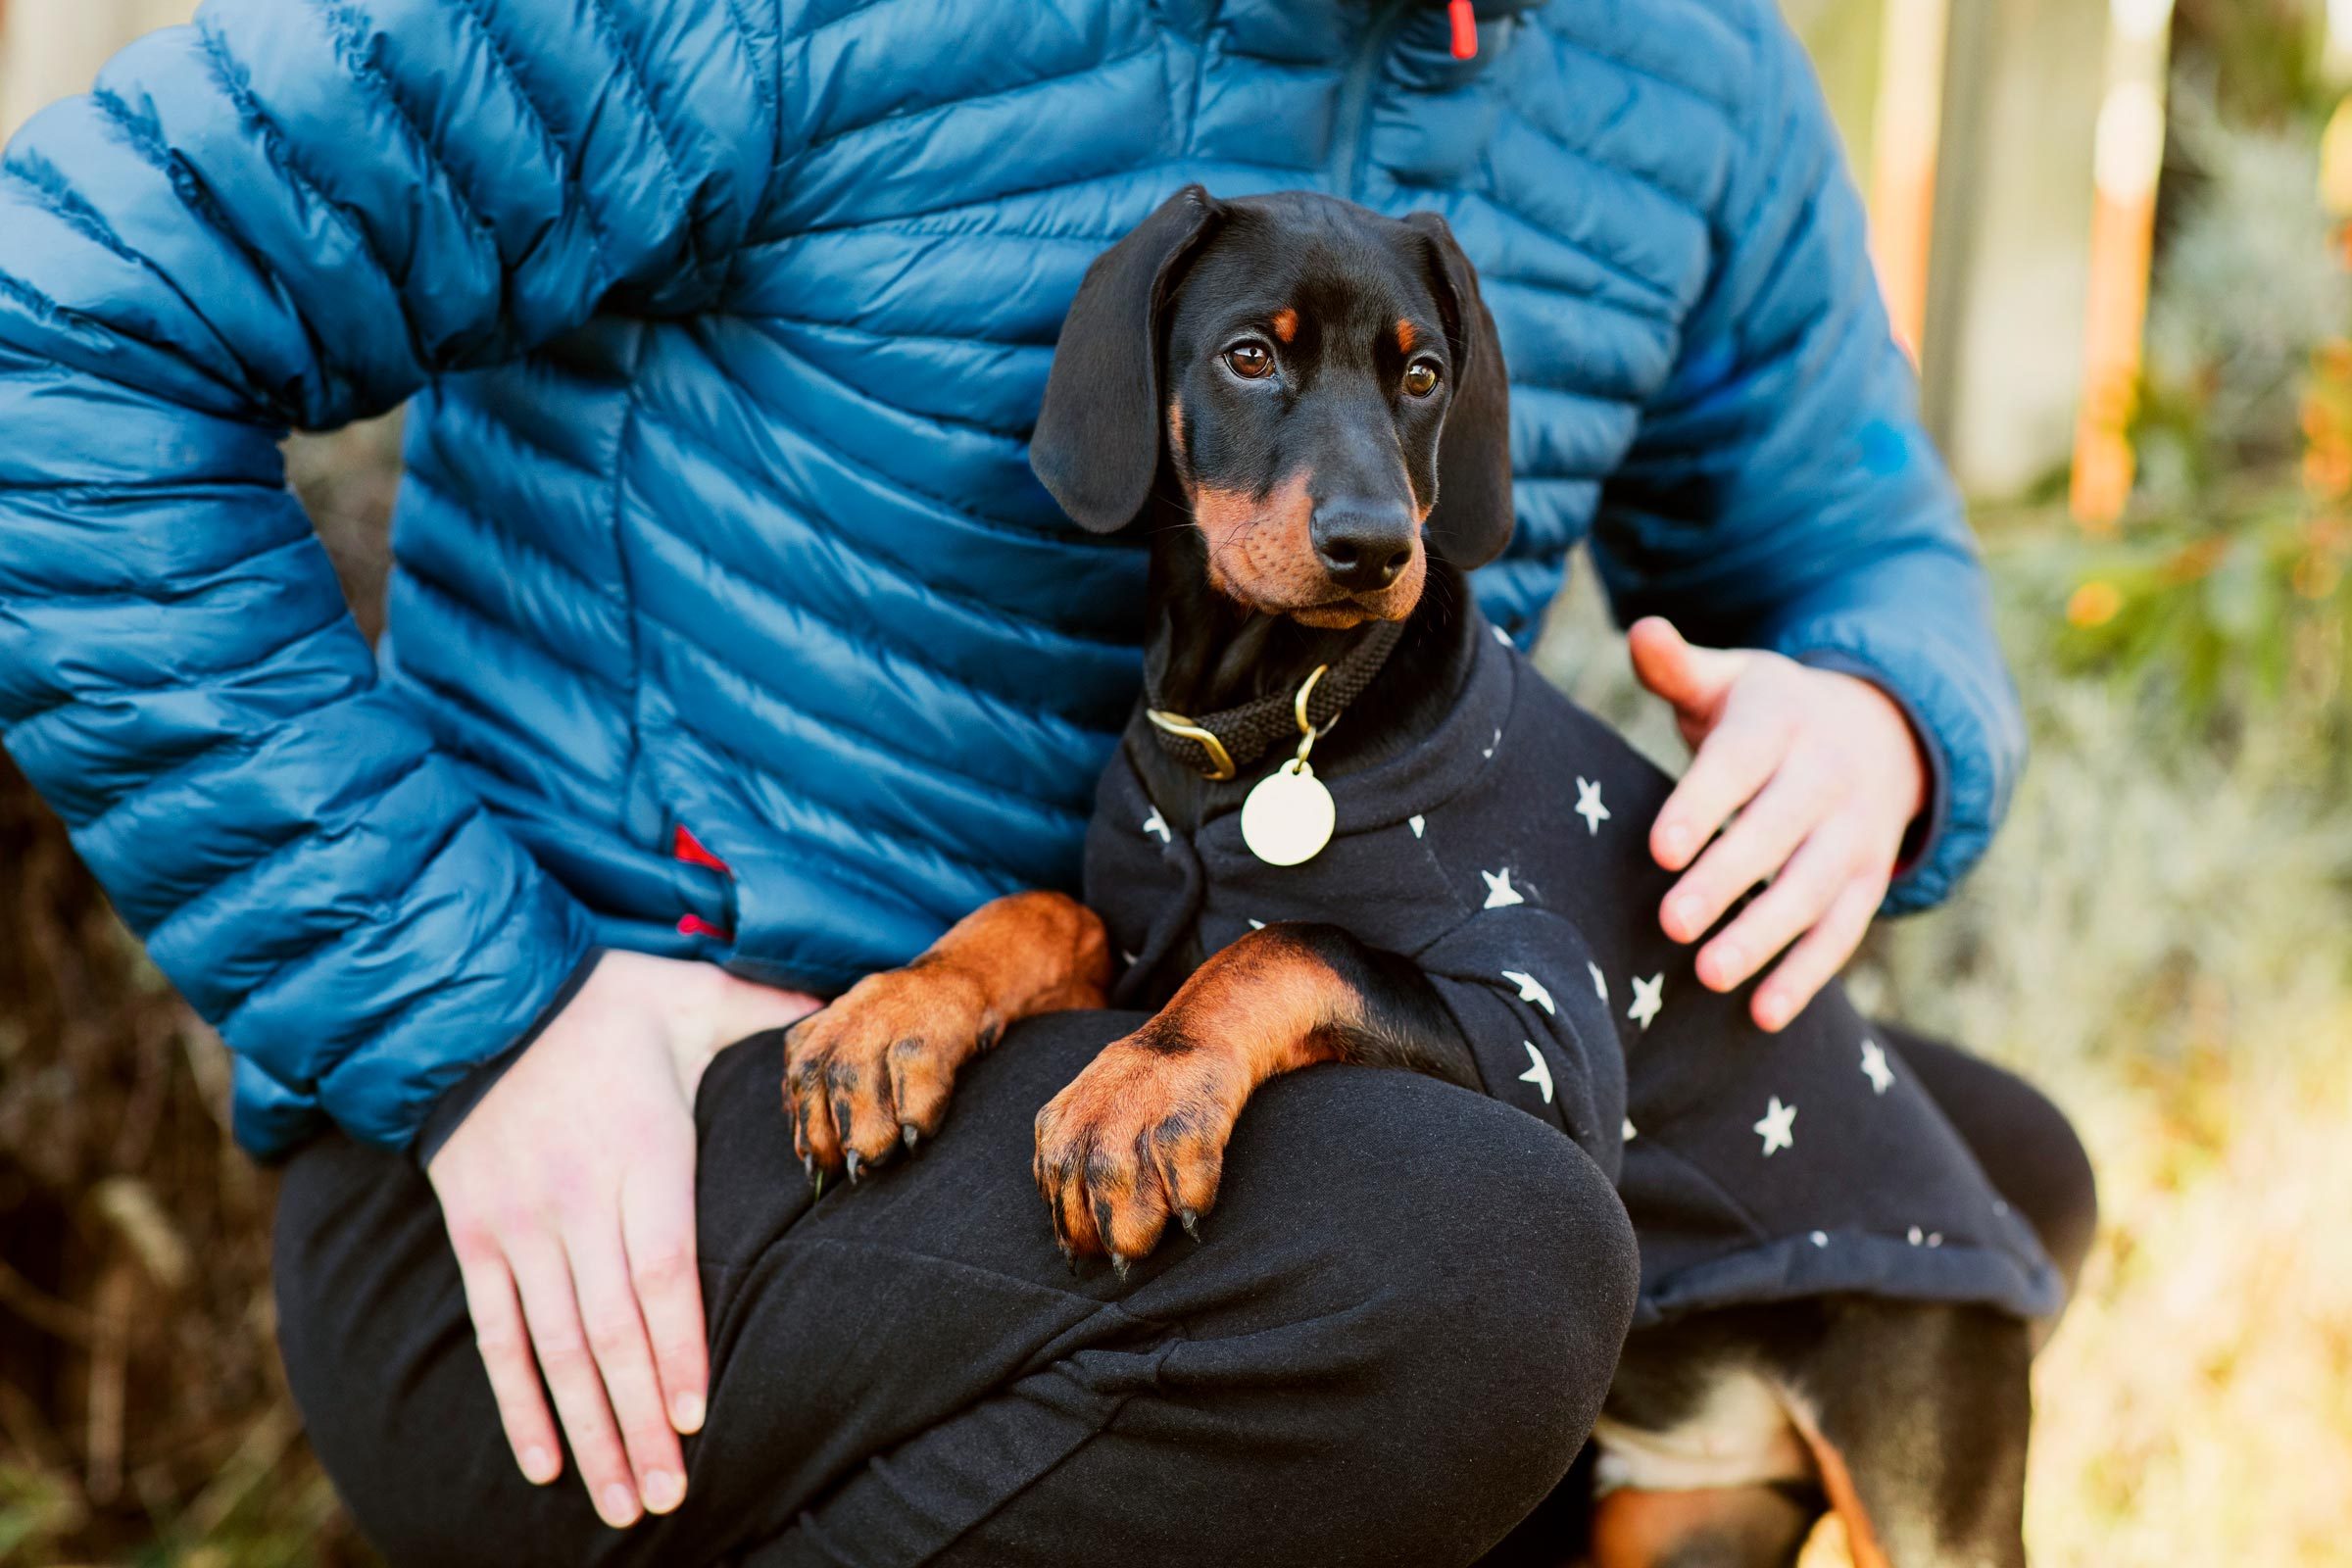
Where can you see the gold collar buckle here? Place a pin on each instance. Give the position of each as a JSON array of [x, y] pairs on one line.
[[1220, 760]]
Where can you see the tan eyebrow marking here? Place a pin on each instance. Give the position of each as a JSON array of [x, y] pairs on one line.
[[1286, 324], [1406, 337]]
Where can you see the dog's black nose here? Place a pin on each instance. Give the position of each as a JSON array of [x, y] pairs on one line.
[[1364, 545]]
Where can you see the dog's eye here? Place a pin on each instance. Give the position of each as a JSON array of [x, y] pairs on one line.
[[1249, 360], [1421, 378]]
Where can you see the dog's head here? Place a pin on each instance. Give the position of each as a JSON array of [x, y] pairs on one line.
[[1324, 384]]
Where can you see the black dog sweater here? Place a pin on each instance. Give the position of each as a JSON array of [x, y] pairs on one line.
[[1508, 856]]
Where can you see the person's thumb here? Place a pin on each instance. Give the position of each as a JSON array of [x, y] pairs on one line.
[[1692, 678]]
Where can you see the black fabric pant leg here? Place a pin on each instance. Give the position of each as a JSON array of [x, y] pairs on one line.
[[2027, 1148], [1387, 1347]]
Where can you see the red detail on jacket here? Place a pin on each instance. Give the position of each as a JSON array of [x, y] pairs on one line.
[[686, 847], [1465, 27], [690, 848]]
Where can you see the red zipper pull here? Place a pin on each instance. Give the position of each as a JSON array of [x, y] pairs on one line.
[[1465, 28]]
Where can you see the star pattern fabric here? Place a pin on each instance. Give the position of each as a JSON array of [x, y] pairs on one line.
[[1649, 998], [1507, 858], [1589, 806], [1538, 1071], [1874, 1067]]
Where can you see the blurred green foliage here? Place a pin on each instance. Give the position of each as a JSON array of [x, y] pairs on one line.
[[2222, 599]]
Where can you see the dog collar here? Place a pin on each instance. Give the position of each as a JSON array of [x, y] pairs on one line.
[[1218, 745]]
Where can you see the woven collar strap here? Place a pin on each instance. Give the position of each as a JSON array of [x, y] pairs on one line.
[[1218, 745]]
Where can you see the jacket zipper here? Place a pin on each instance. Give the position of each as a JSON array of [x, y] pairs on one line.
[[1355, 96]]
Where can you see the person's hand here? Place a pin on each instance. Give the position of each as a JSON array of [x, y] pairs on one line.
[[568, 1192], [1826, 776]]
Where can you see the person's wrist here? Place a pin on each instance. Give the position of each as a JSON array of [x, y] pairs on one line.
[[706, 1009]]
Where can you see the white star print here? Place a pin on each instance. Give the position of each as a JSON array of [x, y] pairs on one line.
[[1499, 891], [1491, 744], [1531, 990], [1129, 957], [1917, 1237], [1874, 1067], [1779, 1127], [1821, 1239], [1589, 806], [1419, 823], [1258, 925], [1601, 983], [1538, 1073], [1156, 823], [1649, 998], [1630, 1133], [1503, 637]]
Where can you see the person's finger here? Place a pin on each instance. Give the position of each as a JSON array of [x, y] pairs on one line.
[[1813, 962], [1694, 679], [1800, 896], [552, 1309], [1730, 764], [1734, 762], [624, 1360], [657, 1229], [506, 1350], [1755, 846]]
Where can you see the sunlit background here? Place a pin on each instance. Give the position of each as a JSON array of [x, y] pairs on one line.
[[2115, 236]]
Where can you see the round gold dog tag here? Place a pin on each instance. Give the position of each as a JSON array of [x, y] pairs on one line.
[[1288, 817]]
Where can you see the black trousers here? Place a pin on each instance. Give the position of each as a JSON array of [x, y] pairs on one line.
[[1387, 1347]]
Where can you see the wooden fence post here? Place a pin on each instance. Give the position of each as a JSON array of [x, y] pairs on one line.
[[2129, 162], [49, 48]]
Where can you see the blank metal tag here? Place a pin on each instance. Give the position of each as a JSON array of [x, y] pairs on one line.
[[1289, 817]]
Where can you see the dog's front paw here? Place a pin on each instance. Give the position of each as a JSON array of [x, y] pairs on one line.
[[871, 1074], [1138, 1139]]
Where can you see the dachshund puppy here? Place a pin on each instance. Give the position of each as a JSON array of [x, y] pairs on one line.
[[1348, 823]]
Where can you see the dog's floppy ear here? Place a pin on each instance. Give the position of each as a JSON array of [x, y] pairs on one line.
[[1472, 521], [1096, 444]]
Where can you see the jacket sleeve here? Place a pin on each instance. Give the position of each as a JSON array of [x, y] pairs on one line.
[[1781, 492], [293, 214]]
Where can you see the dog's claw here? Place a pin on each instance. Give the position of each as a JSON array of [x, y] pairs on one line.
[[849, 1157], [911, 1135], [1190, 1218], [808, 1168], [817, 1187], [1070, 1259], [1120, 1264]]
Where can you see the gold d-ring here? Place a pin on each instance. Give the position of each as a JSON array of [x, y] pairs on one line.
[[1179, 725], [1298, 705]]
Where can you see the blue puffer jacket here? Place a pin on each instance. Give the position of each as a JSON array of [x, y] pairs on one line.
[[726, 321]]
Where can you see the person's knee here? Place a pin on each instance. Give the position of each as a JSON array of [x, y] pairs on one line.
[[2027, 1145], [2066, 1213], [1518, 1271], [1506, 1272]]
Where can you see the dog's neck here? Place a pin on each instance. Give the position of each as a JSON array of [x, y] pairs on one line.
[[1205, 653]]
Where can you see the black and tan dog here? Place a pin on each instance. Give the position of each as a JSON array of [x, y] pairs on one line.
[[1275, 388]]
